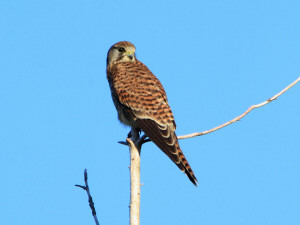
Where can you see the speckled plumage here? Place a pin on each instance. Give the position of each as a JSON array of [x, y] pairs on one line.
[[141, 102]]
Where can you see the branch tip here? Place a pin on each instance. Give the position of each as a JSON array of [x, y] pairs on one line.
[[242, 115], [123, 143], [81, 186], [87, 189]]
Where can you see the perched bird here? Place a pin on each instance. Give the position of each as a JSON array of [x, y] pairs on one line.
[[142, 103]]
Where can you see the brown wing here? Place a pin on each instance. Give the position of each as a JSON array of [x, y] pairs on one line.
[[143, 95]]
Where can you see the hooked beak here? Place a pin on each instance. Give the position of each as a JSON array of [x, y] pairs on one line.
[[130, 55]]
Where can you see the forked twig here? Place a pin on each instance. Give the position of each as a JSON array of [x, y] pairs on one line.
[[242, 115], [87, 189]]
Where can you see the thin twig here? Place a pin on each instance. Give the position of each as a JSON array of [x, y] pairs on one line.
[[242, 115], [123, 143], [87, 189]]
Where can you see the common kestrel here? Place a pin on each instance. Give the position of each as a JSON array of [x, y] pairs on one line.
[[142, 103]]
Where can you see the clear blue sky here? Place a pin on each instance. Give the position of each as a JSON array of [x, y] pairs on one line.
[[215, 59]]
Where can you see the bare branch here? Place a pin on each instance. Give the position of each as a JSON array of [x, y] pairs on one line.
[[87, 189], [135, 142], [242, 115], [135, 185]]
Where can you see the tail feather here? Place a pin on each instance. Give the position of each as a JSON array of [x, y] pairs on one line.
[[168, 145]]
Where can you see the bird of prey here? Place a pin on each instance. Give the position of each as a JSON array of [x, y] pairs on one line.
[[142, 103]]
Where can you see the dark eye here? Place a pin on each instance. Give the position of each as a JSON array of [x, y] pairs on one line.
[[121, 50]]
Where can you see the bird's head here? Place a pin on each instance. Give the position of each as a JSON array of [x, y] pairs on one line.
[[123, 51]]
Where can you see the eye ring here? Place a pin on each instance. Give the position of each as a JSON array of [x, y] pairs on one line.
[[121, 50]]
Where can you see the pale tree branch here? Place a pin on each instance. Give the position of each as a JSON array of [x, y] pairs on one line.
[[242, 115], [135, 144]]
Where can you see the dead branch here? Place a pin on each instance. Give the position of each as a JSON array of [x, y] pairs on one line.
[[87, 189], [242, 115], [135, 144]]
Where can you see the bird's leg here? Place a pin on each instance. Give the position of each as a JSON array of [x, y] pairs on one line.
[[135, 134], [137, 130]]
